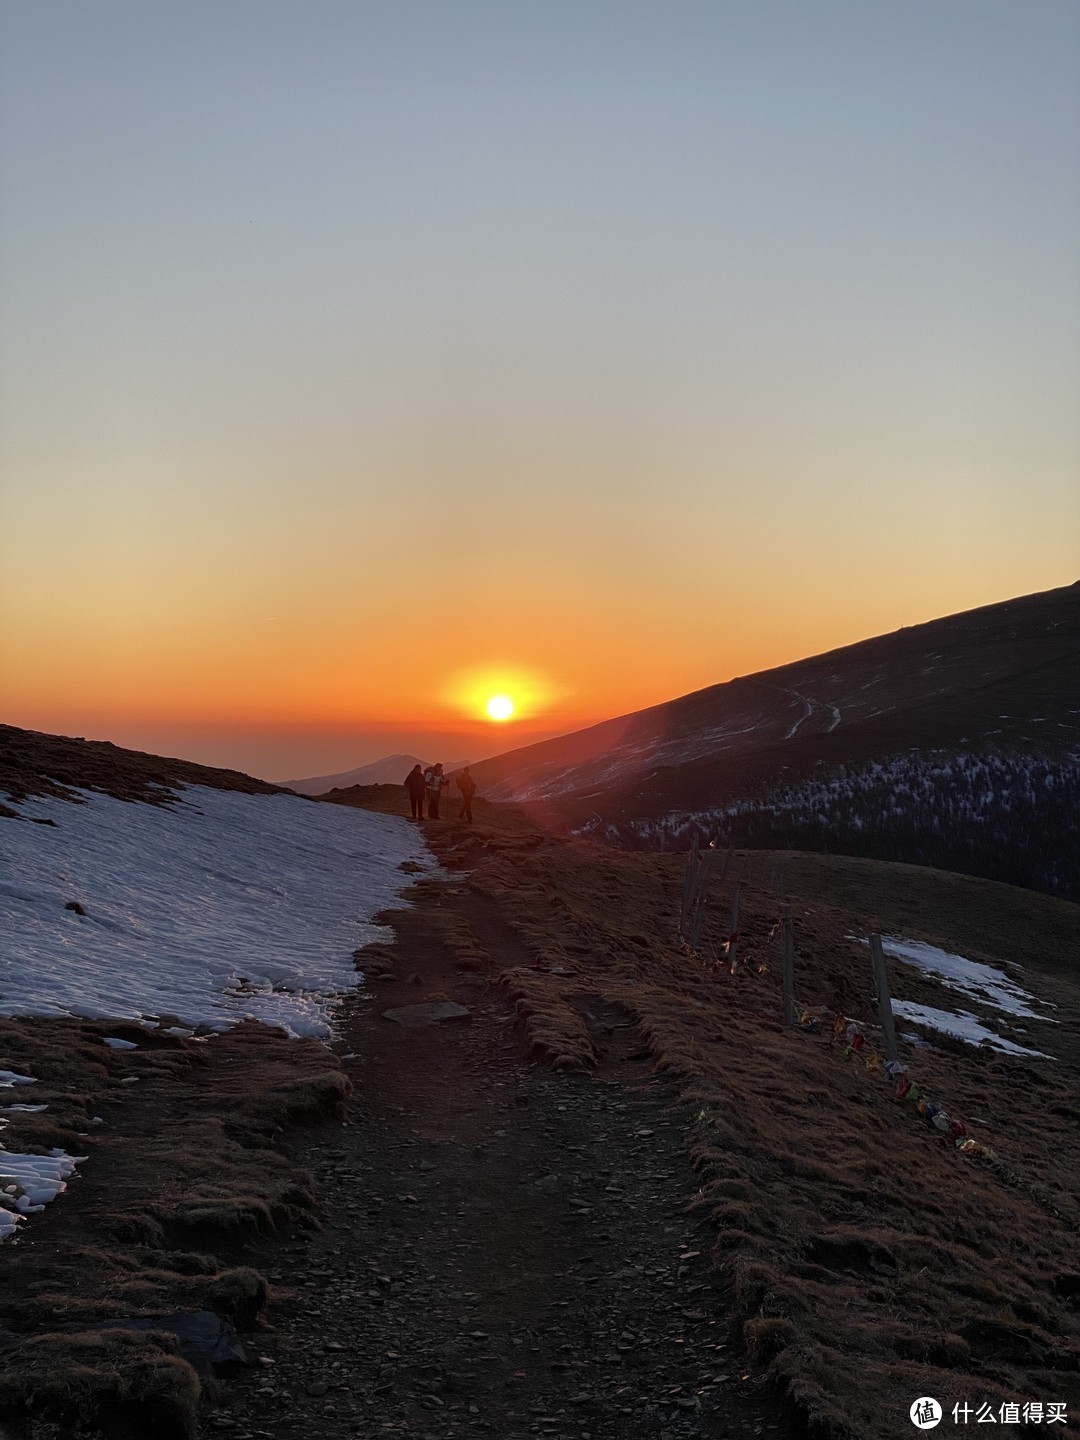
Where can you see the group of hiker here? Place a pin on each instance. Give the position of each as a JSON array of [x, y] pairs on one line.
[[429, 785]]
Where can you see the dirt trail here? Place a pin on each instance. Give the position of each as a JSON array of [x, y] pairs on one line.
[[506, 1250]]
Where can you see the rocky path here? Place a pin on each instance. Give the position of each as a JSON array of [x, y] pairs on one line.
[[506, 1251]]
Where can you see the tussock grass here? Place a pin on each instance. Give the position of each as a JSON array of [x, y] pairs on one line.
[[377, 961], [556, 1032], [230, 1220], [317, 1098], [136, 1227], [181, 1262], [864, 1259], [766, 1336], [130, 1288], [240, 1294], [52, 1308], [38, 1134], [123, 1376], [184, 1167], [461, 940]]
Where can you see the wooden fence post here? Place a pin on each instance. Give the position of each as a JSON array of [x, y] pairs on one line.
[[789, 967], [699, 870], [729, 856], [700, 897], [687, 889], [884, 999], [733, 947]]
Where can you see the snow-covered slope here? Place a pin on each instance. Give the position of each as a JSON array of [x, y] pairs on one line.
[[149, 889], [216, 907]]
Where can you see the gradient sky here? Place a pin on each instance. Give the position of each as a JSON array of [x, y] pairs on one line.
[[360, 359]]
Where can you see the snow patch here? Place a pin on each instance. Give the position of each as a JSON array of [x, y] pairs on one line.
[[221, 907], [963, 1025], [979, 982], [982, 983], [29, 1182]]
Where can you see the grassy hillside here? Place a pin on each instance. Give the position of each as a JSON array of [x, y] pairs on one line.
[[954, 744]]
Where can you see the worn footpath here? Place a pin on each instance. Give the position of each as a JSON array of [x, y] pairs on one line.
[[505, 1250]]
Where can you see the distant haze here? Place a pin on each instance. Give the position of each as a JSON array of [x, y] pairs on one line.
[[271, 751], [391, 770]]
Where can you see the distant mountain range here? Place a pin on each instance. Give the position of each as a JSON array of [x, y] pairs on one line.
[[390, 770], [954, 743]]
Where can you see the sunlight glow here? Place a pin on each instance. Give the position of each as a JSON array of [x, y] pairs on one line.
[[500, 691]]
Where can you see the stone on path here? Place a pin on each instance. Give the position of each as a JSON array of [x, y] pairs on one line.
[[432, 1012]]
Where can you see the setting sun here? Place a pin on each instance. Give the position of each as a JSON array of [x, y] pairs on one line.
[[502, 691]]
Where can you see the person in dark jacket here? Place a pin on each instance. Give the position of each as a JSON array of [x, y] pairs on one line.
[[467, 789], [434, 779], [414, 784]]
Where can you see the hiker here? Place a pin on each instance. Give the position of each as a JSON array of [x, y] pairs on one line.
[[467, 789], [434, 781], [416, 785]]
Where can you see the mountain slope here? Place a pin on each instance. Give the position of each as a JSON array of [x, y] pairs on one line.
[[33, 763], [938, 743]]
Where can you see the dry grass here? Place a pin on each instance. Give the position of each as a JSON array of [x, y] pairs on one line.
[[183, 1173], [461, 940], [556, 1032], [866, 1260], [376, 961], [128, 1377]]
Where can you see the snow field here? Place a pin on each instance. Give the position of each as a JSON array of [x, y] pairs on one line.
[[217, 908]]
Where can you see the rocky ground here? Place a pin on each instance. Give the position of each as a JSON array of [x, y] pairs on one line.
[[506, 1250]]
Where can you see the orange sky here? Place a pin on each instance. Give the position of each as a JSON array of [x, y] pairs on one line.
[[328, 685], [352, 371]]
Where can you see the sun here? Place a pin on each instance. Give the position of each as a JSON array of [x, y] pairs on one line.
[[500, 693]]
